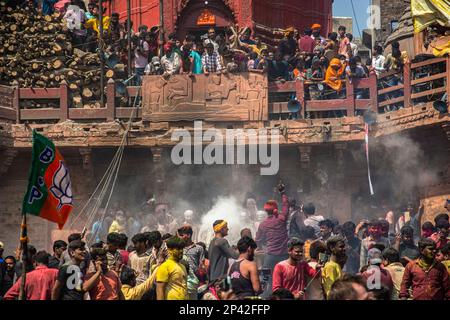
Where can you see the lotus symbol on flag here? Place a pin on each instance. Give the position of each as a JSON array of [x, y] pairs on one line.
[[61, 187]]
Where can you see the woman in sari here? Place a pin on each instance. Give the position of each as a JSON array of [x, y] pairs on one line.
[[334, 74]]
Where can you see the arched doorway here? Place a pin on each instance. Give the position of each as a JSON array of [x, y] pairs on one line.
[[200, 15]]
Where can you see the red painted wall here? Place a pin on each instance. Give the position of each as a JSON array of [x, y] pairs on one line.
[[297, 13], [272, 13]]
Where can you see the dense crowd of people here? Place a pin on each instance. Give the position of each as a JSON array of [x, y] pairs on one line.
[[324, 62], [294, 254]]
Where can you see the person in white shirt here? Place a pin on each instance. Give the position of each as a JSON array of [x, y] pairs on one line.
[[171, 61], [353, 46], [141, 53], [211, 39], [378, 60], [311, 219]]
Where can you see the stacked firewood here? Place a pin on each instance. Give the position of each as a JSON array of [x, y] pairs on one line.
[[36, 52]]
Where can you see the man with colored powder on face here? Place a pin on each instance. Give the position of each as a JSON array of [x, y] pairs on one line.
[[171, 276], [292, 273], [425, 278], [374, 237]]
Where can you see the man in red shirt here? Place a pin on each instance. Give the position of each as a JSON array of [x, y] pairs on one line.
[[107, 286], [273, 234], [38, 283], [291, 273], [427, 278], [306, 43]]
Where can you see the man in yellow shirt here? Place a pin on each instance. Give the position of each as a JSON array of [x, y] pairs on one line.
[[391, 261], [258, 47], [171, 276], [130, 290], [119, 225], [332, 270], [94, 23]]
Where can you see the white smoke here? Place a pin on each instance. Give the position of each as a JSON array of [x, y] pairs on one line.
[[225, 208], [406, 166]]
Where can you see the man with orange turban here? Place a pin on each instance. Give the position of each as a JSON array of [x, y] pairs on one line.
[[316, 33]]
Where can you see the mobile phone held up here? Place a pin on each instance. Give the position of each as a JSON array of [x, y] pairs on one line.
[[323, 258]]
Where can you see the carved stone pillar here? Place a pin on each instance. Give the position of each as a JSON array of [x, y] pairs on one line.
[[305, 165], [340, 163], [86, 155], [158, 174], [88, 167], [305, 156]]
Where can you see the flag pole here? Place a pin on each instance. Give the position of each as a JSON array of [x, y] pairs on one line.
[[24, 248]]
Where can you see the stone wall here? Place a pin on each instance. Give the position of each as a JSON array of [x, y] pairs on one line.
[[390, 10]]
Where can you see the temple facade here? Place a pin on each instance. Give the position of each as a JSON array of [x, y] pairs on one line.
[[183, 16]]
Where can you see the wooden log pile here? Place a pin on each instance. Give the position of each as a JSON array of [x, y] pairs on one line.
[[35, 51]]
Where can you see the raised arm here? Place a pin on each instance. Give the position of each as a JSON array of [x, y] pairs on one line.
[[229, 251]]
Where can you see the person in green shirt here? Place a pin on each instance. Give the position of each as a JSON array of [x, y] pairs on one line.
[[332, 270]]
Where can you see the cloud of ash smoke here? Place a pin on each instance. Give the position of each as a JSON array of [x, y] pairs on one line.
[[405, 167], [226, 208]]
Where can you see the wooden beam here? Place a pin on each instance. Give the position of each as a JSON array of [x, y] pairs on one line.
[[427, 62], [407, 85], [373, 89], [300, 92], [430, 78], [326, 105], [87, 114], [110, 100], [428, 92], [350, 103], [40, 114], [391, 101], [126, 113], [16, 103], [363, 104], [39, 93], [390, 89], [7, 113], [387, 74], [64, 101]]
